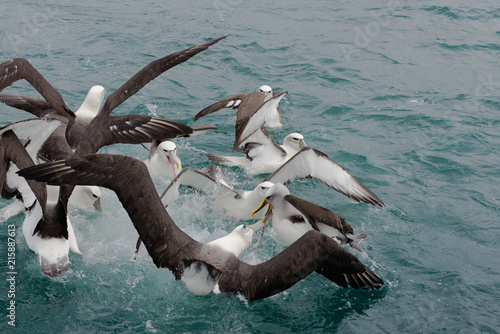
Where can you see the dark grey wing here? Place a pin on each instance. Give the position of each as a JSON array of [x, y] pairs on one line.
[[252, 121], [233, 101], [150, 72], [202, 129], [314, 251], [33, 105], [11, 149], [19, 68], [129, 179], [314, 164], [318, 214], [128, 129], [194, 179], [247, 110]]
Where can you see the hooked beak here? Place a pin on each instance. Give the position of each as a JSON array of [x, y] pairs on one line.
[[171, 163], [262, 205], [302, 144], [98, 206]]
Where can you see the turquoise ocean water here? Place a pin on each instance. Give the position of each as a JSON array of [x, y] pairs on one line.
[[403, 94]]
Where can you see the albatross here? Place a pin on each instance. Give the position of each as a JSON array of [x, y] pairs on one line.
[[293, 217], [92, 126], [295, 160], [247, 105], [262, 154], [92, 120], [171, 248], [237, 203], [163, 157], [46, 227]]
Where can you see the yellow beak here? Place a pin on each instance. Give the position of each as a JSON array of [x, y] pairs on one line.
[[261, 206], [302, 144]]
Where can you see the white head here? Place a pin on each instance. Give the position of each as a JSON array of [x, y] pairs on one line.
[[92, 103], [266, 90], [294, 141], [169, 151], [84, 196], [276, 194], [262, 188], [237, 241]]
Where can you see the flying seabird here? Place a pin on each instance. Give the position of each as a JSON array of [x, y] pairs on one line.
[[247, 105], [237, 203], [46, 227], [169, 247], [293, 217], [92, 127], [91, 117]]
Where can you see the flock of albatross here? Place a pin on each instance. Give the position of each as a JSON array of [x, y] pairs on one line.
[[51, 162]]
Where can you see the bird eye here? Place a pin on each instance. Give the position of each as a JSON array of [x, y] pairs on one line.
[[244, 226], [95, 196]]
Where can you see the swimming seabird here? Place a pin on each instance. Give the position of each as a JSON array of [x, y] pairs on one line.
[[169, 247], [237, 203], [262, 154], [294, 160], [163, 157], [46, 227], [292, 217], [247, 105], [164, 160]]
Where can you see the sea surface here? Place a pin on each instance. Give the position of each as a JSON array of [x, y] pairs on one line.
[[403, 94]]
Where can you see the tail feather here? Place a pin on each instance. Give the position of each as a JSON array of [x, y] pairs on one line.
[[54, 269]]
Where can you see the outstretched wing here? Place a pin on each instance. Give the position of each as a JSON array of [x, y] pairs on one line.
[[129, 129], [150, 72], [314, 164], [19, 68], [11, 149], [195, 179], [33, 105], [233, 101], [314, 251], [130, 180]]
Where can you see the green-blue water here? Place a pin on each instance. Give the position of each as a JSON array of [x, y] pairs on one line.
[[403, 94]]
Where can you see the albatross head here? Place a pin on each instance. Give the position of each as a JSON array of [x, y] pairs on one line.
[[266, 90], [84, 196], [274, 197], [294, 141], [262, 188], [92, 103], [169, 151]]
